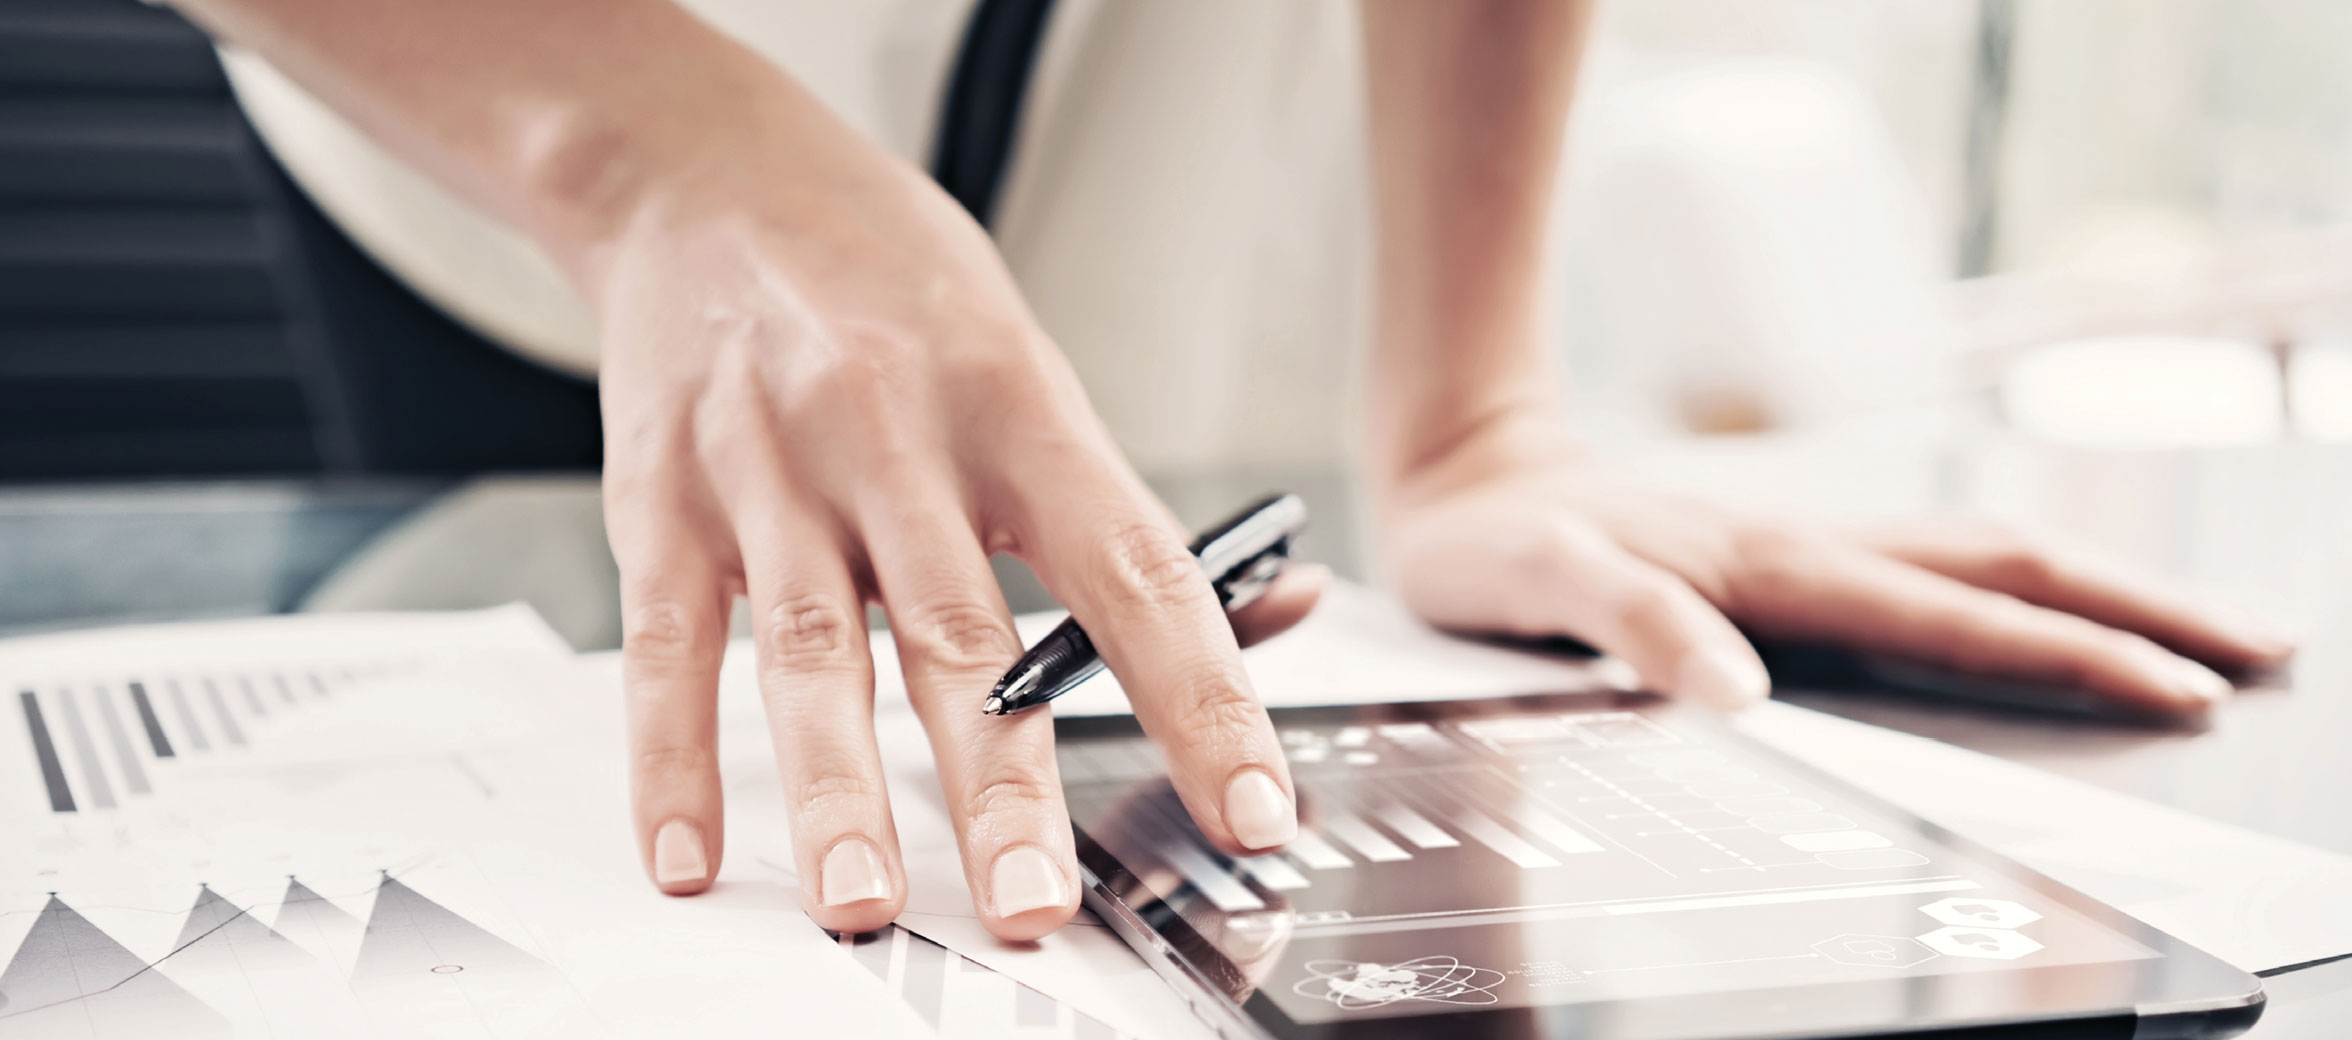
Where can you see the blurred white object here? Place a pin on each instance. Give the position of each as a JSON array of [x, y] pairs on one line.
[[2145, 392], [1756, 250], [2320, 392]]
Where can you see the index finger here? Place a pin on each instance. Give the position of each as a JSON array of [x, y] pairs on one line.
[[1118, 563]]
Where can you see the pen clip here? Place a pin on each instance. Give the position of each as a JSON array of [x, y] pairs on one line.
[[1250, 581]]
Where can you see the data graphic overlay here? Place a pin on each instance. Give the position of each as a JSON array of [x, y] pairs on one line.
[[1534, 858]]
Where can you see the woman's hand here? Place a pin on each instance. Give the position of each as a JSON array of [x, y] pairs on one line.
[[821, 390], [1507, 531]]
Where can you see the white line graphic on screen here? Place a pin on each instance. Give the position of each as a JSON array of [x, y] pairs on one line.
[[1273, 871], [1437, 979], [1369, 843], [1172, 836], [1312, 850], [1416, 828]]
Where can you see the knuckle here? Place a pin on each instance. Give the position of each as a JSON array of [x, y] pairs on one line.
[[861, 380], [1013, 794], [808, 632], [875, 374], [1649, 610], [1557, 552], [665, 631], [1001, 359], [1221, 714], [1144, 567], [960, 635], [675, 763], [736, 426], [1768, 543], [831, 790], [1769, 565], [2020, 565]]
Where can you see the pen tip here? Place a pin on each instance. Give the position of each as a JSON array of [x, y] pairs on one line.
[[994, 706]]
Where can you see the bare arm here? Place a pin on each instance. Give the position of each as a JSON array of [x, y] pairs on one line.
[[1469, 100], [566, 118]]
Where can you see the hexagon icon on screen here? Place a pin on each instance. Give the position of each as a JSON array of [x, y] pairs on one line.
[[1980, 913], [1874, 951], [1992, 944]]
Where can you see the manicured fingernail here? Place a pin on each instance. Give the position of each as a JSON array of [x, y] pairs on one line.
[[677, 853], [852, 873], [1722, 679], [1257, 811], [2197, 683], [1025, 879]]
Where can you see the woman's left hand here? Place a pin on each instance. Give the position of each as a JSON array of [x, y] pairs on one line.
[[1509, 531]]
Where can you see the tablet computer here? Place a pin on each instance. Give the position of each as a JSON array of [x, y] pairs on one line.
[[1604, 866]]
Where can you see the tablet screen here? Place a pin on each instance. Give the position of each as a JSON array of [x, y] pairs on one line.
[[1531, 858]]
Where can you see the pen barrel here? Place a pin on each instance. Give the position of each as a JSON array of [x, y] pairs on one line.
[[1067, 654]]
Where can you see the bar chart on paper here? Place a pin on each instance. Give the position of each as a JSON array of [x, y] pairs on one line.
[[96, 744]]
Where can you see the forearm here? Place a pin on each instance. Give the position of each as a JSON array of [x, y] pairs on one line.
[[1469, 102], [566, 118]]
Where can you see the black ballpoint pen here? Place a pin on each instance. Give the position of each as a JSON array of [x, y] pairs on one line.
[[1242, 556]]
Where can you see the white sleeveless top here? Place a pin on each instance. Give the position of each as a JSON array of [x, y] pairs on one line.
[[1186, 209]]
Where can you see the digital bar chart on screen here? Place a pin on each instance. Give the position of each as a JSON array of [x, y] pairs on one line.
[[1541, 856]]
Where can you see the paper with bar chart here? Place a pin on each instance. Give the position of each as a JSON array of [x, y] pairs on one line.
[[105, 717], [1560, 857], [419, 832]]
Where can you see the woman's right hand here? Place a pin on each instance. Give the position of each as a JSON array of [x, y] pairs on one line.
[[821, 389]]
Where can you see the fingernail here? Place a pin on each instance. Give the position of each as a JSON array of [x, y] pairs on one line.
[[852, 873], [1725, 680], [1025, 879], [2261, 640], [2195, 682], [1258, 813], [677, 853]]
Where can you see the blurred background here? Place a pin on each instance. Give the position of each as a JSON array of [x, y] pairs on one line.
[[2082, 264]]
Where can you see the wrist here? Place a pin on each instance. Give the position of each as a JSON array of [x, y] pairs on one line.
[[1513, 437], [743, 145]]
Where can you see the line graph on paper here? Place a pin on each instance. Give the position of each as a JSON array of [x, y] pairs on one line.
[[381, 956], [391, 957]]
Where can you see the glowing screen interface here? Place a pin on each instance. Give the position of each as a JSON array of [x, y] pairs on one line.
[[1558, 858]]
